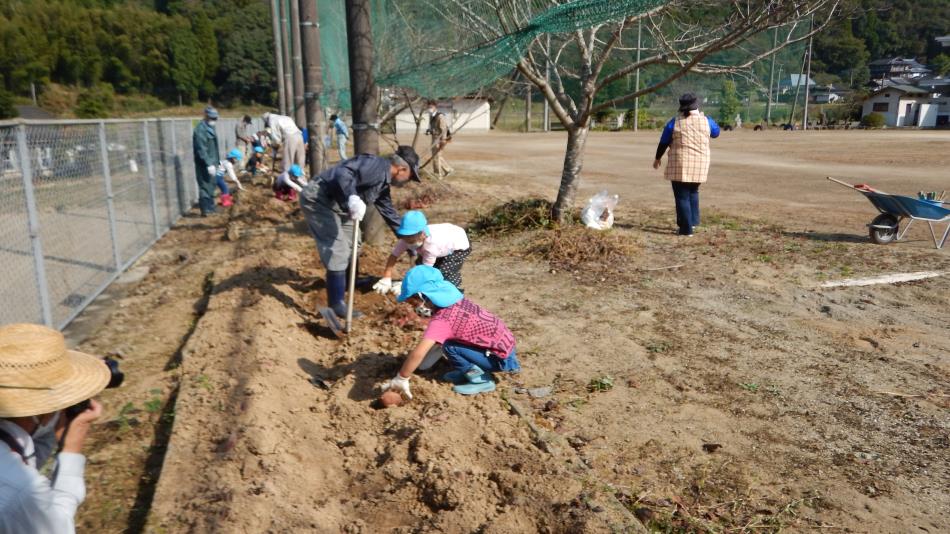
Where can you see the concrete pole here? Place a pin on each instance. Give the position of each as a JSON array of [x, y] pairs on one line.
[[359, 35], [313, 83], [285, 46], [768, 107], [527, 107], [636, 101], [808, 78], [278, 57], [300, 115], [547, 80]]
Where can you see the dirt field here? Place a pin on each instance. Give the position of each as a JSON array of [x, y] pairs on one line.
[[692, 385]]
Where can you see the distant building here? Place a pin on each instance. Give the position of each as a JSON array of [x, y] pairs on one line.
[[945, 40], [462, 115], [909, 106], [793, 81], [907, 68]]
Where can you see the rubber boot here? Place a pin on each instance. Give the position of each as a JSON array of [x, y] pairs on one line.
[[336, 292], [226, 201]]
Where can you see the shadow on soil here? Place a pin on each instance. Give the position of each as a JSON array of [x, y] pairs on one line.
[[153, 466], [368, 370], [832, 238]]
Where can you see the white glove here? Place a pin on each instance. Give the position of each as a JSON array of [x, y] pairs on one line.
[[398, 383], [397, 288], [383, 286], [212, 170], [357, 207]]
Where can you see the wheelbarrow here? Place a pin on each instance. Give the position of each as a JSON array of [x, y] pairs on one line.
[[895, 209]]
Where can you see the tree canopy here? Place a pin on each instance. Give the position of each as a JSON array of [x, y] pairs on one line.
[[214, 49]]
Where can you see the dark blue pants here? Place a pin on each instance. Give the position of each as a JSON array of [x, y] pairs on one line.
[[686, 196], [463, 357]]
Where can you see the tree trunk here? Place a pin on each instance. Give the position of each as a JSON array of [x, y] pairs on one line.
[[571, 173]]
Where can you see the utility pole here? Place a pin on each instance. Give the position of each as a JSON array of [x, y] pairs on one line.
[[547, 81], [768, 106], [359, 36], [636, 101], [811, 27], [278, 56], [363, 95], [527, 107], [309, 31], [300, 114], [285, 46]]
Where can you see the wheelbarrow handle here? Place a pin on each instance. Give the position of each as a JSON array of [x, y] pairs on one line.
[[837, 181]]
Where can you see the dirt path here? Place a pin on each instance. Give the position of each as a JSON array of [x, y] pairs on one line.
[[703, 385], [775, 176]]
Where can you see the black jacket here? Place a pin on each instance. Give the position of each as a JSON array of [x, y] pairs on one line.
[[368, 177]]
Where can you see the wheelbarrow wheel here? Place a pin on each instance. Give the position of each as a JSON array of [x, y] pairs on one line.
[[883, 229]]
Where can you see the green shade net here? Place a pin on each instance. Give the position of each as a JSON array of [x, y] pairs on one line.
[[416, 48]]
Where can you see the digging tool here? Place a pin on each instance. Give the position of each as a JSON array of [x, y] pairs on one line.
[[330, 317], [352, 285]]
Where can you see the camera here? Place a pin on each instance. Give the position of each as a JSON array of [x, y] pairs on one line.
[[115, 380]]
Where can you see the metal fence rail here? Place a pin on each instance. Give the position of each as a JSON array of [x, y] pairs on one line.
[[80, 201]]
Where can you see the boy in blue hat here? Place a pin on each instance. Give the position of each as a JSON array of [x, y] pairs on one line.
[[256, 161], [476, 341], [289, 183], [443, 246], [226, 168]]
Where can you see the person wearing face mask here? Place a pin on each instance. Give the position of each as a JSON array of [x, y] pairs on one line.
[[205, 145], [443, 246], [336, 200], [39, 379], [474, 340]]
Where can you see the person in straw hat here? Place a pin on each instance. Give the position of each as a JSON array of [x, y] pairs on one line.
[[39, 379]]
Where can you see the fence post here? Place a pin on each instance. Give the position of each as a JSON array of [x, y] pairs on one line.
[[176, 168], [151, 179], [110, 204], [36, 243]]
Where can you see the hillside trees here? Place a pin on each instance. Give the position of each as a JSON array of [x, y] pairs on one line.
[[196, 50]]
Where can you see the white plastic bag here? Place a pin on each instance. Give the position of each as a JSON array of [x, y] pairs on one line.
[[599, 213]]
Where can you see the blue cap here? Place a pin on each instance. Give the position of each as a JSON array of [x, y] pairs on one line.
[[430, 282], [235, 154], [258, 150], [296, 170], [211, 113], [412, 223]]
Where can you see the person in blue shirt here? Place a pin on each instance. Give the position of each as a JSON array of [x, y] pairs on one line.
[[342, 134], [687, 138]]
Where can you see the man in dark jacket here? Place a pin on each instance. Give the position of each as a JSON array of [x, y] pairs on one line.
[[336, 200], [207, 157]]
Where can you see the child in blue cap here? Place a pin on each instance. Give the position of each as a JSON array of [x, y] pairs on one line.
[[226, 169], [475, 341], [256, 161], [443, 246], [289, 183]]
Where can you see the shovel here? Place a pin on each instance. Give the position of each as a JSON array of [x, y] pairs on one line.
[[327, 313]]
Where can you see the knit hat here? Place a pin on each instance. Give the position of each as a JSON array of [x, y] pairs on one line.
[[688, 102], [211, 113], [430, 282], [38, 375]]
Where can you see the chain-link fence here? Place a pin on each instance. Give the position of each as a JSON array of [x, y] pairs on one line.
[[80, 201]]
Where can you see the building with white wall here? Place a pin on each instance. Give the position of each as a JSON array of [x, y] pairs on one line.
[[906, 105], [462, 114]]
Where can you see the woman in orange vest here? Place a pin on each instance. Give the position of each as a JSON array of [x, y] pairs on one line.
[[687, 137]]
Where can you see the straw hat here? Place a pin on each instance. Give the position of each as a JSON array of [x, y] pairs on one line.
[[38, 375]]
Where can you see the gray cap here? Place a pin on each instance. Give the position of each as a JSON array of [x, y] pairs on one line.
[[211, 113]]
